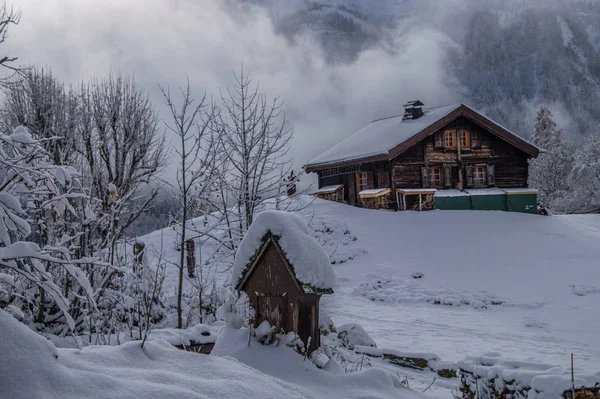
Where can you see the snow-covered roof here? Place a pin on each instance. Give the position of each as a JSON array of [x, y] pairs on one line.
[[514, 191], [417, 190], [381, 135], [485, 191], [374, 193], [451, 193], [329, 189], [307, 258]]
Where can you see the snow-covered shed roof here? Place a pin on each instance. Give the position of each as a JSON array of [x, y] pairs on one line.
[[384, 139], [306, 257]]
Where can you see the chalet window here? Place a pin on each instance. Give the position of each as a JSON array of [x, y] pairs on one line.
[[475, 141], [363, 181], [479, 176], [432, 177], [383, 179], [439, 140], [450, 138], [491, 175], [464, 138], [447, 176], [436, 177]]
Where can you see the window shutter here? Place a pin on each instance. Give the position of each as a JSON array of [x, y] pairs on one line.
[[475, 142], [491, 175], [425, 177], [439, 140], [469, 172], [448, 176]]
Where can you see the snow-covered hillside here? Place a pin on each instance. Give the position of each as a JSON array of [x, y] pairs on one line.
[[519, 284], [524, 286], [455, 285]]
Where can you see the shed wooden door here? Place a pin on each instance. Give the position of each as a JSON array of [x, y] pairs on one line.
[[273, 309], [306, 321]]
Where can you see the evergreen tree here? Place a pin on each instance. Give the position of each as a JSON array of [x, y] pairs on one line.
[[545, 134], [586, 177], [549, 172]]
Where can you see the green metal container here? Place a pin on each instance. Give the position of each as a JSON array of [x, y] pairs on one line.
[[457, 203], [522, 202], [489, 202]]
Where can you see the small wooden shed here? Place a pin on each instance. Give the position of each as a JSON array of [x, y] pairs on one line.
[[284, 271]]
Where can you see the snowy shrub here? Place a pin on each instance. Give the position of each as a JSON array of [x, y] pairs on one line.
[[326, 325], [336, 239], [28, 176], [353, 334], [265, 333], [488, 377]]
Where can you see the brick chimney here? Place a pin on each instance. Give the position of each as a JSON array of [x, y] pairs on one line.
[[413, 110]]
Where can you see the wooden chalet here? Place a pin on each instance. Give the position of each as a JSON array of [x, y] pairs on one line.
[[403, 161]]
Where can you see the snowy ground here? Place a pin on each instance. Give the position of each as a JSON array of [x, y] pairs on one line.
[[523, 286], [32, 367]]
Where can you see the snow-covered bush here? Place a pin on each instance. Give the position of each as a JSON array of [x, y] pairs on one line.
[[30, 271], [488, 377], [353, 334]]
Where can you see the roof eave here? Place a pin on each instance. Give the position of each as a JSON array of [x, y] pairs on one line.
[[501, 132]]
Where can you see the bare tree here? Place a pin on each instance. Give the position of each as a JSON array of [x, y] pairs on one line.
[[191, 122], [8, 16], [36, 100], [122, 151], [255, 139]]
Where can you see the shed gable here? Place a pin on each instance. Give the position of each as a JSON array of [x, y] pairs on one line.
[[270, 272]]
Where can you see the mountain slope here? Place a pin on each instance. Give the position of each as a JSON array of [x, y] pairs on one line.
[[513, 55]]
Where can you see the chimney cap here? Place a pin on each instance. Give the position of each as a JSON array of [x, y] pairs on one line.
[[414, 103]]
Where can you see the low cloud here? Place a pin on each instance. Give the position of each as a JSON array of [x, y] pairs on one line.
[[165, 41]]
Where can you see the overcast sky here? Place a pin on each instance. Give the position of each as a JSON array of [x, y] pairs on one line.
[[166, 40]]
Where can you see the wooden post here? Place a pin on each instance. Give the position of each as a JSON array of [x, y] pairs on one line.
[[138, 256], [572, 378], [190, 247], [420, 203]]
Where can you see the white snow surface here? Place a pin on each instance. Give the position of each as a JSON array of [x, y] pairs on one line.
[[283, 363], [451, 193], [485, 191], [327, 189], [198, 334], [32, 367], [525, 286], [354, 334], [373, 191], [381, 135], [522, 285], [510, 191], [308, 259]]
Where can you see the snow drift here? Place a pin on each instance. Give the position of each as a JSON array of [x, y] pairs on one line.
[[32, 367]]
